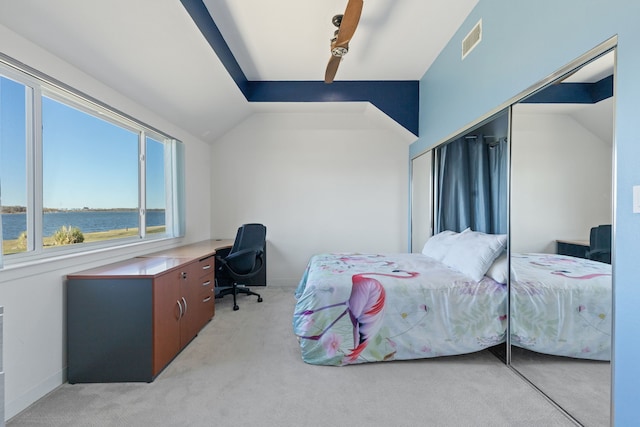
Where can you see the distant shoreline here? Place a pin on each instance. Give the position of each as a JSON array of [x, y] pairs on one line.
[[22, 209], [13, 224]]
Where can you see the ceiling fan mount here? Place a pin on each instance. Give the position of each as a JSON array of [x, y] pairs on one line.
[[336, 20], [339, 51], [346, 24]]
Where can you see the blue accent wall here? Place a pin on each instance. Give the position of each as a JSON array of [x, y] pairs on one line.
[[522, 43], [397, 99]]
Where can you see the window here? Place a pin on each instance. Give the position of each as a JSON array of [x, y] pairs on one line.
[[155, 177], [14, 98], [76, 174]]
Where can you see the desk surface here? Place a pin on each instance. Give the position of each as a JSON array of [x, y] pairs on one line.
[[151, 265], [194, 250]]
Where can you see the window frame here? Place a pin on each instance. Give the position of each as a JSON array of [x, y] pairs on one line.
[[39, 85]]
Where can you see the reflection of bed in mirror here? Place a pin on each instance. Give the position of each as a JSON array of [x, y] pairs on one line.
[[560, 172], [561, 305], [560, 188]]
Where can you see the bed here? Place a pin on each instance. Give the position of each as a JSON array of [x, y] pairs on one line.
[[356, 308], [561, 305]]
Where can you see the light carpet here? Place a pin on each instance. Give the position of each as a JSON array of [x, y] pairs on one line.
[[581, 387], [244, 369]]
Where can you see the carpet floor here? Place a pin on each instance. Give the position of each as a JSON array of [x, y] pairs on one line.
[[244, 369]]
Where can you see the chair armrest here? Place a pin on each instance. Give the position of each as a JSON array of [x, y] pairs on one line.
[[243, 252], [254, 253]]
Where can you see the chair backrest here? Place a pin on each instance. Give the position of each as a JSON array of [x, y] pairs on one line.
[[600, 244], [249, 237], [600, 237]]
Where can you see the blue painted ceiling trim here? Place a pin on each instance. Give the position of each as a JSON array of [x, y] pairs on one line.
[[398, 99], [200, 15], [573, 93], [603, 89]]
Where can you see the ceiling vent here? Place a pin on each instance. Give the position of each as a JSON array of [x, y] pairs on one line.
[[472, 39]]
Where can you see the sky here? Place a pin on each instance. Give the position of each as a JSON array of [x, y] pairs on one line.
[[88, 162]]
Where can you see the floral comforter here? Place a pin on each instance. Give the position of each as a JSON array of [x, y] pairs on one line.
[[561, 305], [356, 308]]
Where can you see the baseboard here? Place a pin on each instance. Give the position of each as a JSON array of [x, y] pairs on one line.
[[27, 399], [283, 282], [2, 416]]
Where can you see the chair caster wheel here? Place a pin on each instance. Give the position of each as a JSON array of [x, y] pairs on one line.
[[259, 299], [236, 308]]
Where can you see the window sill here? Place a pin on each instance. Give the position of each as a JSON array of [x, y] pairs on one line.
[[73, 261]]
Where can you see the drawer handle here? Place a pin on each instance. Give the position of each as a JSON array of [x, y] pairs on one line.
[[207, 299], [207, 283], [185, 304], [206, 267]]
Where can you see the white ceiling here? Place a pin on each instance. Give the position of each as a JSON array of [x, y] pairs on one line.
[[290, 39], [152, 52], [594, 71]]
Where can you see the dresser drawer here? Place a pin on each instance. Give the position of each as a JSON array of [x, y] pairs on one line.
[[207, 266]]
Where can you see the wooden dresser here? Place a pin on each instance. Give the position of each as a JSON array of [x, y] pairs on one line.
[[126, 321]]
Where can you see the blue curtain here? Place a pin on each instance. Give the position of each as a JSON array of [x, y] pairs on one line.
[[453, 182], [472, 186], [498, 172]]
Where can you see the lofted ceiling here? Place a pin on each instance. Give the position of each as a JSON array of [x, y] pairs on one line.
[[290, 39], [152, 52]]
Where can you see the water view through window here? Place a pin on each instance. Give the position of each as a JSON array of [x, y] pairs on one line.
[[100, 179]]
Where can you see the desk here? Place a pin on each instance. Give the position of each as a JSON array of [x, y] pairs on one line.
[[194, 250], [126, 321], [575, 248]]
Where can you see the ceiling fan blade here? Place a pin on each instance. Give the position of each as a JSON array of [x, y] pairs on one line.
[[332, 69], [349, 22]]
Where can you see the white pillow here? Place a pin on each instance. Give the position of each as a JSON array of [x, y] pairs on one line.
[[438, 245], [473, 252], [498, 270]]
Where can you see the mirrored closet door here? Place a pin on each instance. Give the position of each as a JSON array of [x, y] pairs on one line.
[[561, 214]]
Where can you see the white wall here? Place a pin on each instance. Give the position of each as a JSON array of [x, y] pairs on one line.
[[33, 297], [320, 182], [561, 181]]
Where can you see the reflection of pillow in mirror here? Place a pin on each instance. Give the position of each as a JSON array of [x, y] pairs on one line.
[[498, 270], [438, 245], [473, 252]]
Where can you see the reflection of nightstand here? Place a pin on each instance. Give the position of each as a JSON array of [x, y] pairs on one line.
[[576, 248]]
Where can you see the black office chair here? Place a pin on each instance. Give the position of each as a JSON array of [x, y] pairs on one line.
[[600, 244], [243, 262]]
